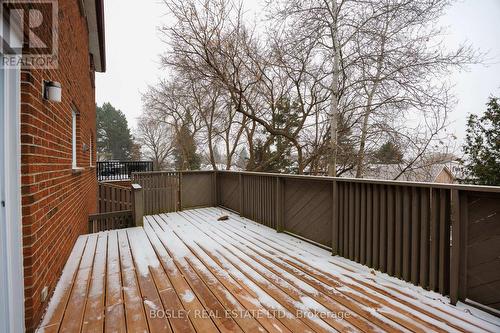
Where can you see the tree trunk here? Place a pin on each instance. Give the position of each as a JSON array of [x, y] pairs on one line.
[[368, 111], [334, 103], [211, 150]]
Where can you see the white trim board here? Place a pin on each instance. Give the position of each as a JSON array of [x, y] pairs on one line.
[[11, 259]]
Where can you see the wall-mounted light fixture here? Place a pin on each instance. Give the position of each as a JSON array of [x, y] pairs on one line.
[[85, 148], [52, 91]]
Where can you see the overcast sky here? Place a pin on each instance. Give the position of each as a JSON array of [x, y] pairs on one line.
[[133, 45]]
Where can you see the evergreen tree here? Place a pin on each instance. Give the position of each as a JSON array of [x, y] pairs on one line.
[[279, 150], [482, 146], [242, 159], [388, 153], [185, 152], [114, 140]]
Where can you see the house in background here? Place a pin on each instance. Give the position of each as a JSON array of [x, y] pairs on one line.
[[435, 173], [47, 176]]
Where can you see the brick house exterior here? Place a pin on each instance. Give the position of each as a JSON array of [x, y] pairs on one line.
[[57, 198]]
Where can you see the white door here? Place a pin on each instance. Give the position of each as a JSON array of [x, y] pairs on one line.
[[11, 264]]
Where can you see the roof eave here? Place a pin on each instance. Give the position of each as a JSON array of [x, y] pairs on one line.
[[101, 32], [94, 11]]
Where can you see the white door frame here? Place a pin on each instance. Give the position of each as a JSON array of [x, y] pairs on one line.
[[11, 257]]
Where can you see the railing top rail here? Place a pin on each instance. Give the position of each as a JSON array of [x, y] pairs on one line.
[[113, 183], [479, 188], [110, 214], [124, 161], [171, 172]]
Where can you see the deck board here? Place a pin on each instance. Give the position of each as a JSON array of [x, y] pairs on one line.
[[73, 316], [189, 272], [362, 318], [115, 308]]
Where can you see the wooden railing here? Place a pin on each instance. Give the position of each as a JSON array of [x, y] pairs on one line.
[[118, 208], [110, 221], [121, 170], [439, 236], [442, 237], [160, 190], [112, 198]]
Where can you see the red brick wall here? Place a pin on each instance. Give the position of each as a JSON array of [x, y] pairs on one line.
[[56, 201]]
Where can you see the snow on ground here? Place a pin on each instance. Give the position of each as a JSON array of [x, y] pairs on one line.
[[275, 272], [351, 273]]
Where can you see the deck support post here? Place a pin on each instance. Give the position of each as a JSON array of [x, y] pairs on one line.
[[137, 205]]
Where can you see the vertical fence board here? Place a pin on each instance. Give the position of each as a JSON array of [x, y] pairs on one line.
[[424, 238], [345, 221], [369, 224], [341, 223], [376, 226], [456, 246], [390, 230], [351, 221], [444, 241], [415, 237], [406, 233], [357, 223], [280, 203], [335, 218], [434, 240], [363, 225], [383, 229]]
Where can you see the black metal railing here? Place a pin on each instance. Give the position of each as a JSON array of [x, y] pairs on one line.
[[121, 170]]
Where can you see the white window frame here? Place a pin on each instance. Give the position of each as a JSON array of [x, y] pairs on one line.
[[11, 257]]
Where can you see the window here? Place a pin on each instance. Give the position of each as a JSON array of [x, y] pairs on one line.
[[74, 123]]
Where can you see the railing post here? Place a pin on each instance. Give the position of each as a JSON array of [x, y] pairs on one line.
[[240, 180], [458, 261], [137, 205], [280, 201], [215, 199], [335, 219], [179, 191]]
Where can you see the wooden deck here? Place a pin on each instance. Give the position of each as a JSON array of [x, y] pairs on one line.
[[189, 272]]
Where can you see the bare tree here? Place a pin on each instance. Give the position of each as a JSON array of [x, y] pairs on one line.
[[156, 140], [385, 59], [325, 84]]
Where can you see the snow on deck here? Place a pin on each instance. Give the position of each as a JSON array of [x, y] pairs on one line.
[[189, 272]]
